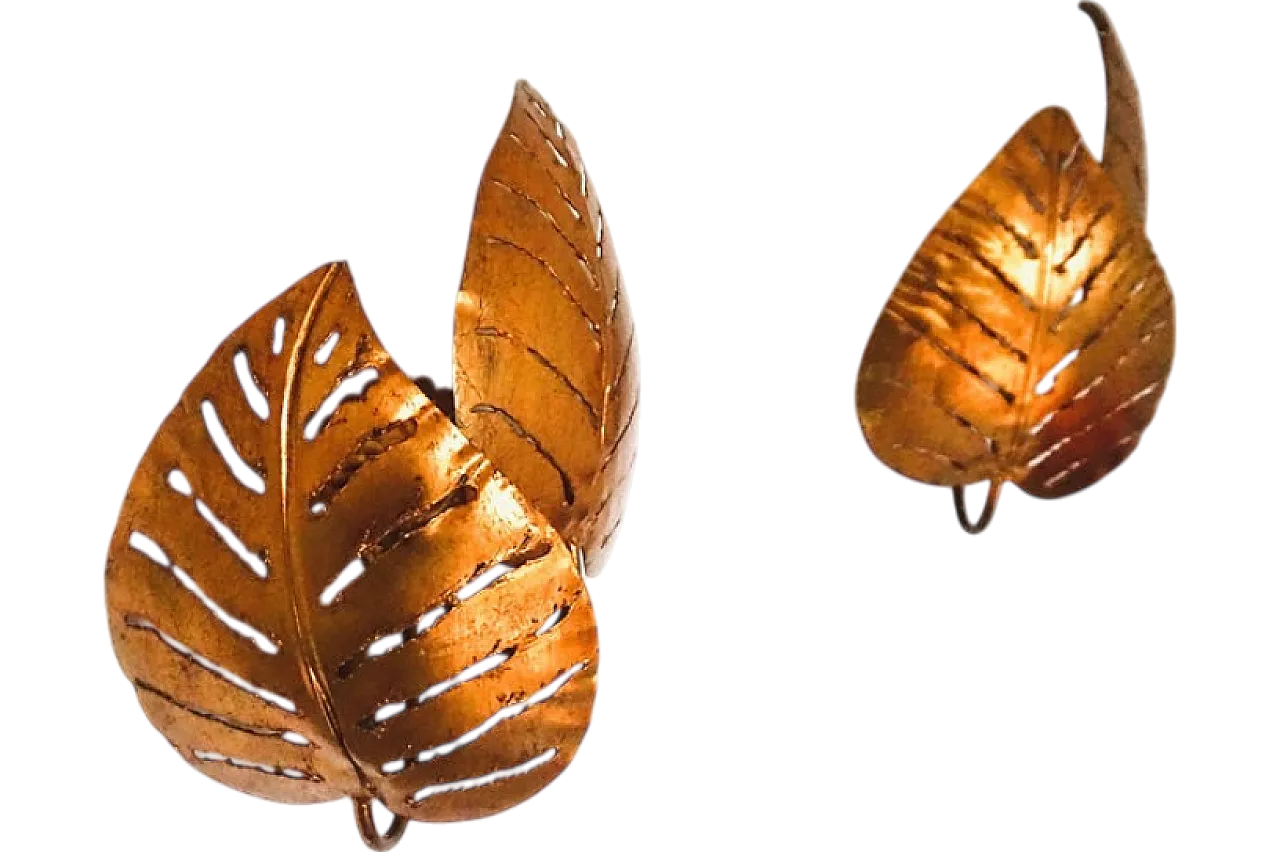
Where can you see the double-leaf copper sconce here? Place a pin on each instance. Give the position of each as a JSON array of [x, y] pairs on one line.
[[325, 585]]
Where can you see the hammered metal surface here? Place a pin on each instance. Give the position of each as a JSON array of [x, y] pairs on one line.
[[1031, 336]]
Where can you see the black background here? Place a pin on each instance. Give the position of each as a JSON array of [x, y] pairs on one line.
[[795, 636]]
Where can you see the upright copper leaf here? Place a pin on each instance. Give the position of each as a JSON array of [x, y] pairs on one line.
[[349, 600], [545, 365], [1031, 336]]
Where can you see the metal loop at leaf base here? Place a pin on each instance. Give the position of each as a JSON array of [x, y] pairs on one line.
[[988, 510], [369, 833]]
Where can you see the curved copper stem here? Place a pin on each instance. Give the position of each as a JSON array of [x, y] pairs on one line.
[[988, 511], [369, 830], [1124, 153]]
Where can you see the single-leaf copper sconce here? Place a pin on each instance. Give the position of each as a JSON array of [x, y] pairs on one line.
[[1031, 337]]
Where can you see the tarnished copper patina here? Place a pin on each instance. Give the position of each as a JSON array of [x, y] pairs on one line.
[[1031, 337], [321, 587]]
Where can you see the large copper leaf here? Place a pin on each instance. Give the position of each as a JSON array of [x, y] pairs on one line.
[[314, 612], [1031, 336], [546, 373]]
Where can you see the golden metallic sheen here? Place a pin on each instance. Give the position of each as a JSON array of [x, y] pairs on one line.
[[545, 365], [1031, 336], [388, 481]]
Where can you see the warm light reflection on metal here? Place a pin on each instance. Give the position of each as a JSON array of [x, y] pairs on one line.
[[1030, 338]]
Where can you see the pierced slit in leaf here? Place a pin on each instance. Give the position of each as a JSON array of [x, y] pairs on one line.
[[240, 469]]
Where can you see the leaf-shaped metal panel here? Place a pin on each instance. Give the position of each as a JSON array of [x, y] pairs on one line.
[[344, 597], [1031, 336], [546, 372]]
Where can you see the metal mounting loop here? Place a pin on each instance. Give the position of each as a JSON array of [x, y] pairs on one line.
[[988, 511], [369, 830]]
